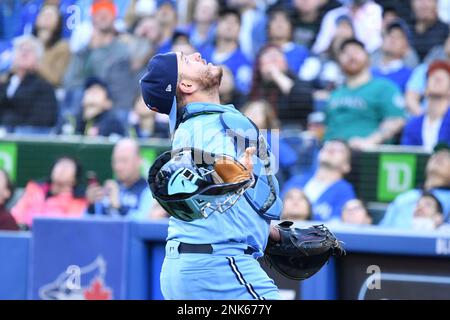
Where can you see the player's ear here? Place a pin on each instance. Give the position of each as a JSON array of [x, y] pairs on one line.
[[187, 86]]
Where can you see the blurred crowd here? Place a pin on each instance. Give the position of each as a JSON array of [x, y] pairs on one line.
[[325, 77]]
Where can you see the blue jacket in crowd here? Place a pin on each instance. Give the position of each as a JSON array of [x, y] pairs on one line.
[[136, 202], [412, 133], [295, 55], [400, 212], [330, 203], [238, 64], [399, 76]]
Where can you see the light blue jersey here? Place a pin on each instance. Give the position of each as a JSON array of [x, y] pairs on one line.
[[230, 271], [240, 224]]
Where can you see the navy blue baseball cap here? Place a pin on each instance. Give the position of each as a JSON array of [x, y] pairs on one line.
[[159, 85], [400, 24]]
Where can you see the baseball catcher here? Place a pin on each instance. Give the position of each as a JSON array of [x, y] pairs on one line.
[[219, 186], [191, 190]]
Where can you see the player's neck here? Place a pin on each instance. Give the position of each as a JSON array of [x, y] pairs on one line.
[[210, 96]]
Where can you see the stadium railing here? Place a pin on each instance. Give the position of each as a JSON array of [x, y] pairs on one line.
[[118, 259]]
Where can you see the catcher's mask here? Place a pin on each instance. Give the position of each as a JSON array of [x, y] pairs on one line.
[[191, 184]]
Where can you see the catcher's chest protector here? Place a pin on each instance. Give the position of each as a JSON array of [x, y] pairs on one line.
[[263, 197]]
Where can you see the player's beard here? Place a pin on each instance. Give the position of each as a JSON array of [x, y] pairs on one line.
[[211, 78]]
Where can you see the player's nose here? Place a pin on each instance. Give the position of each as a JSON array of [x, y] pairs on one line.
[[197, 56]]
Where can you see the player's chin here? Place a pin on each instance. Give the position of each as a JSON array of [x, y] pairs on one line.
[[215, 69], [215, 74], [212, 77], [219, 71]]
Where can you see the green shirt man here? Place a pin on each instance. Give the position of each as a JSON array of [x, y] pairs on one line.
[[359, 111]]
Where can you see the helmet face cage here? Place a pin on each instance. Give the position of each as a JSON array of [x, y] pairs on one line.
[[209, 204], [194, 191]]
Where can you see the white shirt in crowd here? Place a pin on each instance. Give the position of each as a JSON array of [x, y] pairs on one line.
[[444, 10], [14, 84], [430, 132], [367, 22], [314, 189]]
